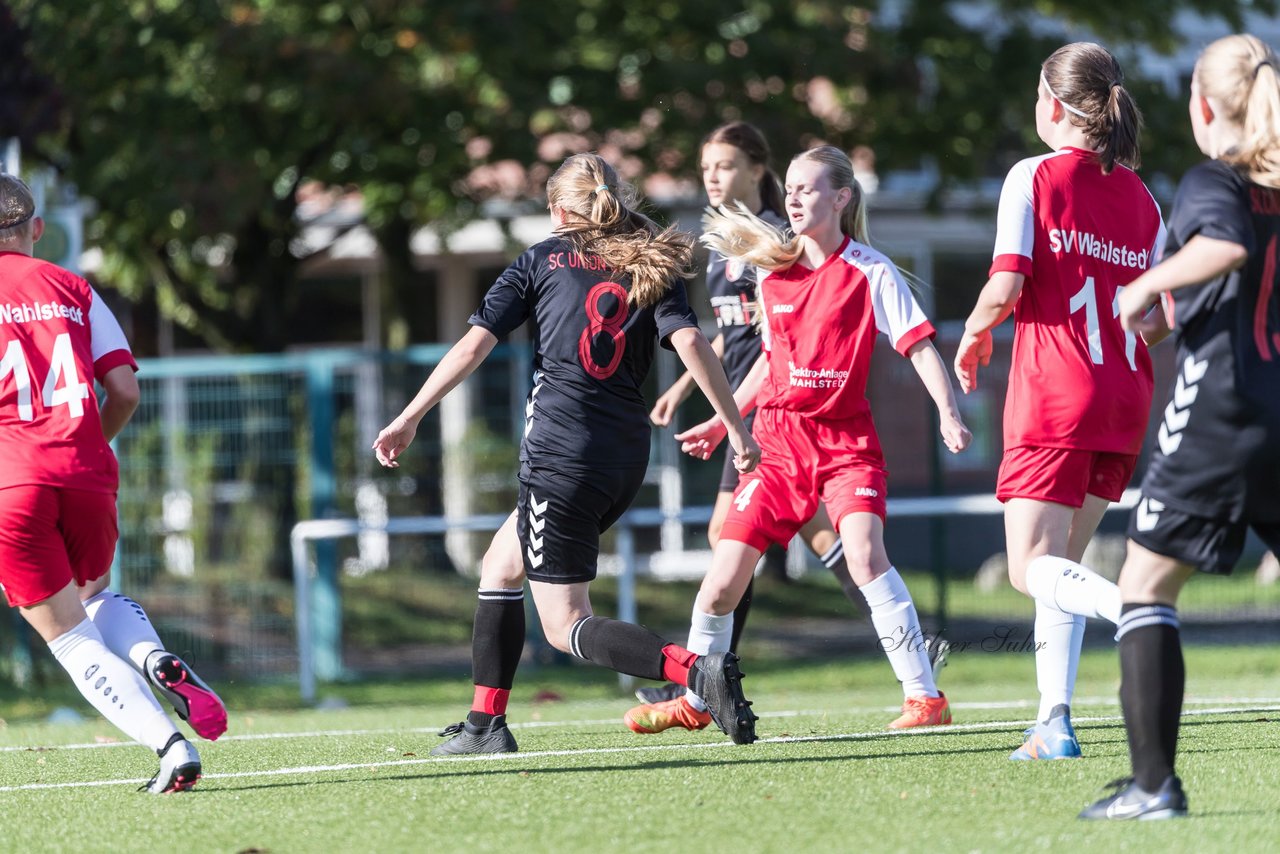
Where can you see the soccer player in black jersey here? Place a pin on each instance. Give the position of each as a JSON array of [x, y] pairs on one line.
[[1216, 470], [601, 291]]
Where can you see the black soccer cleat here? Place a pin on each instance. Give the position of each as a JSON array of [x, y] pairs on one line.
[[1131, 801], [194, 701], [718, 681], [466, 737], [660, 693]]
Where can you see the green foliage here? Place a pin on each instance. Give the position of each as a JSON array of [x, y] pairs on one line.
[[194, 124], [491, 462]]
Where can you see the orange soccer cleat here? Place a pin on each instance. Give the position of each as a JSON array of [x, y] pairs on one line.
[[923, 710], [655, 717]]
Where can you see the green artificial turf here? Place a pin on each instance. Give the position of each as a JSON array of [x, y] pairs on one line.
[[825, 776]]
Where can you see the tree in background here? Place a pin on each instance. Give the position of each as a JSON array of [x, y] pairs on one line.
[[193, 123]]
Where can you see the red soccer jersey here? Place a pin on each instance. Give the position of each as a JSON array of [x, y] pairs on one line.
[[56, 337], [820, 328], [1077, 379]]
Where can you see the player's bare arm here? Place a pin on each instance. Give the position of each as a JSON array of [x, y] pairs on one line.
[[933, 373], [694, 350], [669, 401], [458, 364], [1201, 259], [995, 304], [122, 397]]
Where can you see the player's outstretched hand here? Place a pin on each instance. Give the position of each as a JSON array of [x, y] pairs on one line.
[[392, 441], [955, 435], [701, 440], [1135, 304], [974, 350], [665, 409]]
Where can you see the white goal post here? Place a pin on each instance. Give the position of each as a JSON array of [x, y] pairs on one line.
[[313, 530]]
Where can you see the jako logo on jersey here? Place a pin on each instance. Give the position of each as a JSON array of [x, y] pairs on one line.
[[27, 313], [1085, 243], [866, 492], [783, 308]]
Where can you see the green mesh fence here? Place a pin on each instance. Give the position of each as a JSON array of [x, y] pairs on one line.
[[225, 454]]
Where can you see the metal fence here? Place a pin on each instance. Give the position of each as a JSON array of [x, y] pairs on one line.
[[226, 454]]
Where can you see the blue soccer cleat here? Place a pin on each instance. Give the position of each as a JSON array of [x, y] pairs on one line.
[[1050, 739]]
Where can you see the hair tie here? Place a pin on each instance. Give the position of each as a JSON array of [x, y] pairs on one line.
[[601, 187], [22, 218], [1258, 67], [1070, 109]]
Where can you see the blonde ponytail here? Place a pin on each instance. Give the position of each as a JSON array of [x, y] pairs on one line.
[[735, 232], [600, 219], [1240, 75]]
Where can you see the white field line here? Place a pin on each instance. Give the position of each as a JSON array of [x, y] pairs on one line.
[[602, 751], [848, 710]]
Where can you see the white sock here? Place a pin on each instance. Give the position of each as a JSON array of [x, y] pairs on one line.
[[1068, 586], [894, 616], [708, 633], [1058, 638], [124, 627], [113, 687]]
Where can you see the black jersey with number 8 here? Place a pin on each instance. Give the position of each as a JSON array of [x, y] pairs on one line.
[[592, 352]]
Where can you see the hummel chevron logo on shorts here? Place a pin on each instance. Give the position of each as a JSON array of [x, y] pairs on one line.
[[537, 521], [528, 407], [1178, 412], [1147, 514]]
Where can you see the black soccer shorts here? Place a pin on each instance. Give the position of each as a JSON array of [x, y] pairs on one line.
[[1214, 473], [561, 514], [1209, 545]]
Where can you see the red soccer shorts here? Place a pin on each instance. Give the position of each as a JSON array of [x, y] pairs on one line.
[[1063, 475], [805, 461], [50, 536]]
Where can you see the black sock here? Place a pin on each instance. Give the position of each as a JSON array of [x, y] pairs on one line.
[[1151, 689], [624, 647], [497, 642], [740, 615]]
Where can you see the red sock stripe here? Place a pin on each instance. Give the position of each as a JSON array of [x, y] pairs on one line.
[[676, 661], [491, 701]]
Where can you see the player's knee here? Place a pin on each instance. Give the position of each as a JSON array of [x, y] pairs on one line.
[[863, 568], [1018, 576], [821, 542], [556, 633], [1150, 587], [716, 598], [93, 588], [501, 571]]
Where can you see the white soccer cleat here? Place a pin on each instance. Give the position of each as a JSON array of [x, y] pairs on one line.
[[179, 768]]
